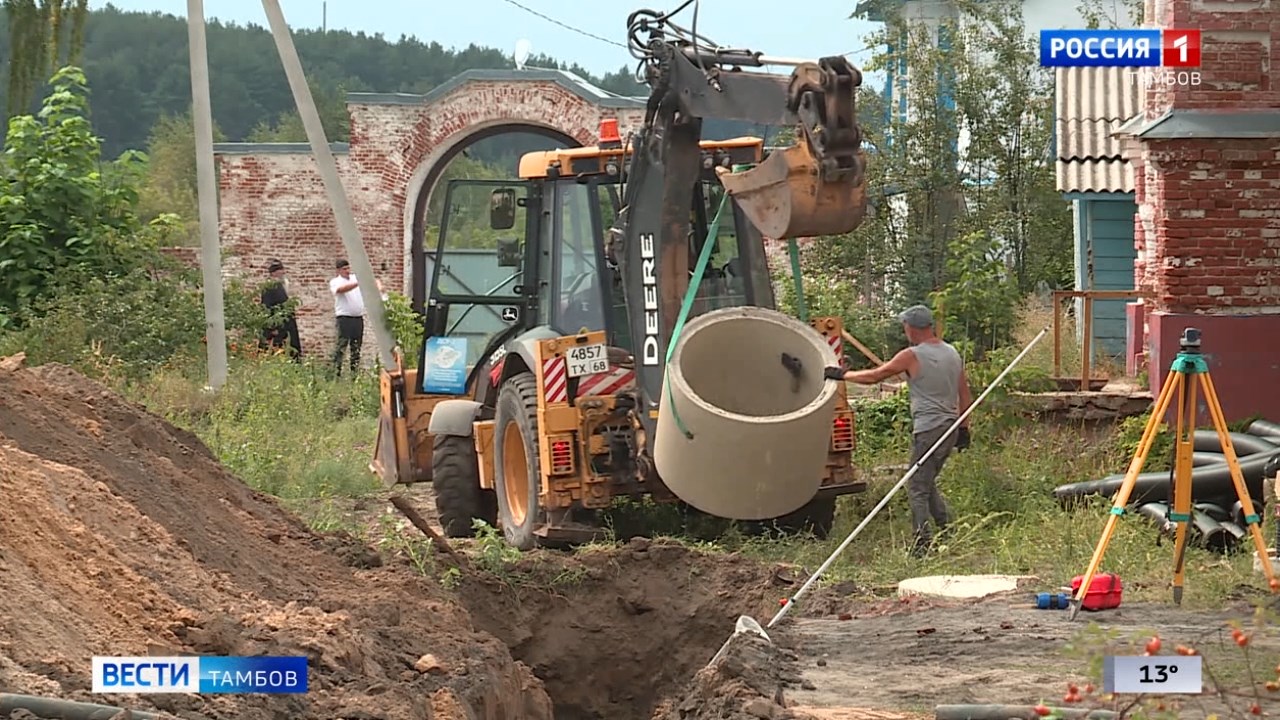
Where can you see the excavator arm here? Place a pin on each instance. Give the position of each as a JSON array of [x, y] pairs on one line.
[[815, 187]]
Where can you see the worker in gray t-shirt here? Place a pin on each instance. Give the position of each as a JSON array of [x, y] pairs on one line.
[[939, 395]]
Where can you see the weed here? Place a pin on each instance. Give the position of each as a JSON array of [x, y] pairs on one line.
[[284, 428], [494, 555]]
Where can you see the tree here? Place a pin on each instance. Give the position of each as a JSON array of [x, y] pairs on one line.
[[960, 177], [62, 209], [170, 185], [331, 104], [39, 40], [138, 64], [1097, 15]]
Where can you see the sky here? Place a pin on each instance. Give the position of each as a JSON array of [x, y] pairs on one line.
[[816, 28]]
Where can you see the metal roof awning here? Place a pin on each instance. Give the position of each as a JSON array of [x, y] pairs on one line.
[[1206, 125]]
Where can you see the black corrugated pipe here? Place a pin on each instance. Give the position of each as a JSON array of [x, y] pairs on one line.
[[1158, 513], [1265, 429], [1212, 535], [1208, 482], [48, 707], [1200, 459], [1242, 443]]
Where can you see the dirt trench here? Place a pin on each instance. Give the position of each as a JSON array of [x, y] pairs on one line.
[[621, 634], [121, 534]]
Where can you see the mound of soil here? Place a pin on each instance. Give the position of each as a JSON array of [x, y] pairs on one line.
[[746, 683], [122, 535]]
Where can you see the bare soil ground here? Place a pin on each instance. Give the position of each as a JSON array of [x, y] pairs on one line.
[[921, 654], [120, 534]]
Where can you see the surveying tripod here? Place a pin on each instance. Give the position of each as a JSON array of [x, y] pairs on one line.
[[1188, 367]]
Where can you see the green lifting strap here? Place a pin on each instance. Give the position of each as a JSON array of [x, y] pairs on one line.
[[703, 259], [794, 250], [1179, 517]]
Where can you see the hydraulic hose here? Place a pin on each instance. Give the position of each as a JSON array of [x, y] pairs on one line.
[[65, 709]]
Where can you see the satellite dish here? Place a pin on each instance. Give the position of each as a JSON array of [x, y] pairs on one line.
[[522, 52]]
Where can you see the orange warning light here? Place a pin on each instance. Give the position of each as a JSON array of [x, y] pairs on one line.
[[609, 132]]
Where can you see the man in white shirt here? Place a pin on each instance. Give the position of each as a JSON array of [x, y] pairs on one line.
[[348, 307]]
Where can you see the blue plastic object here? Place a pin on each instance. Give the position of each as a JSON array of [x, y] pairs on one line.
[[1053, 601]]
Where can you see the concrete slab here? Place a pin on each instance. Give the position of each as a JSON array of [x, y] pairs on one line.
[[959, 586]]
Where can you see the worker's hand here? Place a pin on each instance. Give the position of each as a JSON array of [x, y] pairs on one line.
[[962, 439], [833, 373]]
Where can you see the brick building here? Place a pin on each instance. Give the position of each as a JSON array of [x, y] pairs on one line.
[[272, 202], [1206, 163]]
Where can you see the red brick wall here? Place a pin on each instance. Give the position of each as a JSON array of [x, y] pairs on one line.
[[273, 204], [1208, 222], [1239, 41], [1213, 243]]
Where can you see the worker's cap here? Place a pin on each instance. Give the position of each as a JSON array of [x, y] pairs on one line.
[[917, 316], [343, 263], [274, 265]]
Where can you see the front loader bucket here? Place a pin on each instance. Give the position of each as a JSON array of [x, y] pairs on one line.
[[785, 196]]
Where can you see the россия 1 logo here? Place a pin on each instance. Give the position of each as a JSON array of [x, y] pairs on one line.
[[1120, 48]]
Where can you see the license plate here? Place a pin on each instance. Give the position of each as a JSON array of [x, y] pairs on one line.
[[586, 360]]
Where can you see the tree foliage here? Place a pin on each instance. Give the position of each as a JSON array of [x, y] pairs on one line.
[[62, 209], [40, 38], [1099, 14], [139, 66], [960, 175]]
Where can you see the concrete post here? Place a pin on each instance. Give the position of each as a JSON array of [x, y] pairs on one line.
[[328, 169], [207, 187]]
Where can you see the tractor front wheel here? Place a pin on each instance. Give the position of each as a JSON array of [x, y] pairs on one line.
[[517, 475], [455, 480]]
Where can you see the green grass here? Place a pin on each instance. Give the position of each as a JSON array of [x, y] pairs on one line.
[[1008, 522], [290, 431], [285, 429]]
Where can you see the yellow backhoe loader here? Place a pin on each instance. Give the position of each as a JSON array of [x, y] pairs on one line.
[[540, 382]]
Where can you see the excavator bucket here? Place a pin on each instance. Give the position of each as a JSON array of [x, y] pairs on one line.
[[786, 196]]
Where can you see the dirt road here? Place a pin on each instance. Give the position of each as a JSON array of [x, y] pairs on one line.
[[922, 655]]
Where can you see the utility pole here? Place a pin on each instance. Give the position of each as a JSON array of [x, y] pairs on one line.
[[328, 169], [215, 326], [324, 16]]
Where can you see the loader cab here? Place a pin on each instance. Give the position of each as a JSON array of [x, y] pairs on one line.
[[511, 255], [581, 192], [480, 292]]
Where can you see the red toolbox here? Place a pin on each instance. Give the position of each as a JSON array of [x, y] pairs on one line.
[[1103, 594]]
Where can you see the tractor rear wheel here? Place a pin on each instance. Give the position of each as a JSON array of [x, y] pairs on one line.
[[455, 481], [517, 472]]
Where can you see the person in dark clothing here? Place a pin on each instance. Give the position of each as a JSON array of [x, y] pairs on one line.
[[282, 323]]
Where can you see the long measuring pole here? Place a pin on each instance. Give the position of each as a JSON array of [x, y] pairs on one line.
[[747, 622]]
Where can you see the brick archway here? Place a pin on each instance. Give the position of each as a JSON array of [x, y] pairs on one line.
[[272, 202], [422, 186]]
